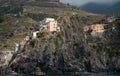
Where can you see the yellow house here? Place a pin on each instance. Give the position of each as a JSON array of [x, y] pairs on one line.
[[98, 28]]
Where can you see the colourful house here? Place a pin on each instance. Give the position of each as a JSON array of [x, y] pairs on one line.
[[49, 24], [52, 26], [97, 30], [108, 20], [34, 34]]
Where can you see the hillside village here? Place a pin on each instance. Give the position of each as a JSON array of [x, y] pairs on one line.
[[94, 34], [102, 37], [48, 37], [48, 24], [97, 30], [51, 25]]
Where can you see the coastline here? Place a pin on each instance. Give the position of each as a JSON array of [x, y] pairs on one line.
[[99, 74], [70, 73]]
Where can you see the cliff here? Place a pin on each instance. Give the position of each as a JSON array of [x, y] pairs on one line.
[[61, 52], [19, 17], [64, 52]]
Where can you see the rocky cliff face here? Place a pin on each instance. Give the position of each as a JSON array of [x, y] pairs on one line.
[[66, 52], [61, 52], [105, 56]]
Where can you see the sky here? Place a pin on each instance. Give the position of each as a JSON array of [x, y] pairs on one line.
[[82, 2]]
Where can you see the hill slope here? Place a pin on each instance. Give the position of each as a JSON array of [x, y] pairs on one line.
[[16, 16], [37, 6], [61, 52], [67, 52]]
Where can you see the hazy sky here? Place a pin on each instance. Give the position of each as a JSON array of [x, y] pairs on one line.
[[82, 2]]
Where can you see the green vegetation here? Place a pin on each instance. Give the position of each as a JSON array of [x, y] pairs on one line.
[[75, 40], [117, 33], [40, 17], [57, 43], [89, 20], [42, 34], [115, 41], [60, 34], [10, 9], [13, 29], [109, 43], [110, 52], [1, 19]]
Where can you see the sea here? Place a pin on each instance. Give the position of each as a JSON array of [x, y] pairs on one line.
[[101, 74]]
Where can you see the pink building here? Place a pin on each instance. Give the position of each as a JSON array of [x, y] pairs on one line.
[[49, 24], [107, 20], [52, 26]]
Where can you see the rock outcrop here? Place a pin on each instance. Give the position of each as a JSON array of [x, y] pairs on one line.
[[65, 52], [61, 52]]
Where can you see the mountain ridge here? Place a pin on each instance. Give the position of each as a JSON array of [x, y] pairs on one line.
[[40, 6], [102, 8]]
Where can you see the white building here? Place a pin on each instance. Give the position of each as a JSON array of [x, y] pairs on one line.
[[49, 24], [46, 20], [35, 34]]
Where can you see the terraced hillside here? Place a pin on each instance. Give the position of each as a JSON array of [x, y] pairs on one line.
[[19, 17], [37, 6], [13, 29]]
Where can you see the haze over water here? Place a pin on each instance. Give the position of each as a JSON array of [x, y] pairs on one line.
[[82, 2]]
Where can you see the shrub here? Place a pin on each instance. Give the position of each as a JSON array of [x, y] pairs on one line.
[[60, 34], [57, 44], [10, 9], [43, 34], [75, 40], [1, 19]]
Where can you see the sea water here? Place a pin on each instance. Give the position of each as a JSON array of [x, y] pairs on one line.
[[102, 74]]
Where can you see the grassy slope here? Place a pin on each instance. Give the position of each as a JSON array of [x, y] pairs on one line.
[[18, 26], [12, 24]]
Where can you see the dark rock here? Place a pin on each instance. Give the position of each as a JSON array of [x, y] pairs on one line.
[[67, 53]]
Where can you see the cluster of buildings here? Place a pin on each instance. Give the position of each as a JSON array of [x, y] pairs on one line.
[[100, 28], [108, 19], [97, 30], [49, 24]]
